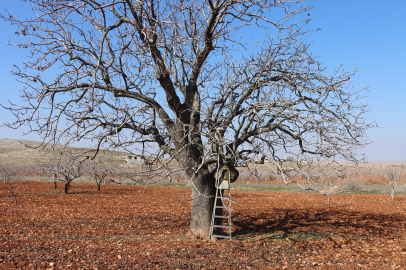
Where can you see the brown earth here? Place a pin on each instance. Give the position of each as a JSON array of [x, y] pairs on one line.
[[132, 227]]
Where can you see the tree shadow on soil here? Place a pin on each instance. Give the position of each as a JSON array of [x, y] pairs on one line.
[[320, 222]]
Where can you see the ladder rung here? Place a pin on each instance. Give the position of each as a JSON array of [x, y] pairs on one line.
[[221, 226], [222, 187], [222, 216], [226, 207], [224, 198], [220, 236]]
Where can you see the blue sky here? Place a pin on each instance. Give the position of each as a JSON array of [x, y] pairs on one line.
[[372, 38], [367, 35]]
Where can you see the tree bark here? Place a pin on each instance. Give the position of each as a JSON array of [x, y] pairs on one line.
[[203, 194], [12, 192], [54, 178], [66, 187]]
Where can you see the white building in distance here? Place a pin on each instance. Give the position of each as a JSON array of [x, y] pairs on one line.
[[135, 160]]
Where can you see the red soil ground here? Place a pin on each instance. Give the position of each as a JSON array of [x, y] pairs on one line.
[[132, 227]]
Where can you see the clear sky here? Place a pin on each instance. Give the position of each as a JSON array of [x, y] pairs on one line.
[[367, 35], [371, 36]]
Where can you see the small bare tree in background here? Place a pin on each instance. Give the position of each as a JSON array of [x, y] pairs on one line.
[[332, 179], [325, 176], [393, 176], [100, 168], [10, 174], [66, 166]]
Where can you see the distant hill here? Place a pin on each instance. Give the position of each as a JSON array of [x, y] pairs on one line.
[[17, 151], [12, 150]]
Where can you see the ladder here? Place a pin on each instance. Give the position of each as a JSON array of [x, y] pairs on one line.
[[221, 187]]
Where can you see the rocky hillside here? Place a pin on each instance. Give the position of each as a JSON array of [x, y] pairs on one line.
[[22, 151]]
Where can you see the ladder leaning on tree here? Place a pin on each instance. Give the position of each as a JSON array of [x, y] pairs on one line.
[[222, 185]]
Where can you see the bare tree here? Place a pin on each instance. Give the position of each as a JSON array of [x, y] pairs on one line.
[[393, 176], [180, 80], [325, 176], [66, 166], [100, 168], [332, 179], [10, 174]]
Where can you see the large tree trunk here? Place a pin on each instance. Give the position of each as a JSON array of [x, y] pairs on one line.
[[203, 193], [203, 196]]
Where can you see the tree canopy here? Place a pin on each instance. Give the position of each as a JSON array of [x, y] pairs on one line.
[[187, 79]]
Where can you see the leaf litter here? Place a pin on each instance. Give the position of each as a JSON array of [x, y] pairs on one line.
[[132, 227]]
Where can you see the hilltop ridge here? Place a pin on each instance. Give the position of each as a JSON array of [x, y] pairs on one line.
[[15, 150]]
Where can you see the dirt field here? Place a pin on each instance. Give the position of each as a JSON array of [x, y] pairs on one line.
[[129, 227]]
